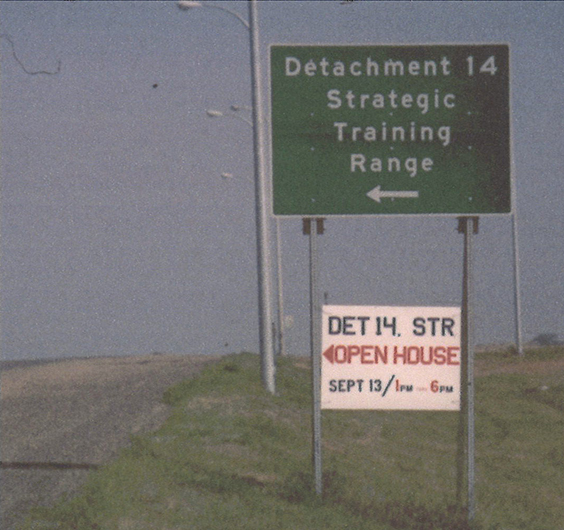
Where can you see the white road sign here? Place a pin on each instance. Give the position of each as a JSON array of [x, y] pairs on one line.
[[395, 358]]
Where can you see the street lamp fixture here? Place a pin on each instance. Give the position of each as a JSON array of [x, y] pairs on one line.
[[185, 5]]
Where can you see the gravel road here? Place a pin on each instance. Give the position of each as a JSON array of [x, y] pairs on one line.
[[77, 412]]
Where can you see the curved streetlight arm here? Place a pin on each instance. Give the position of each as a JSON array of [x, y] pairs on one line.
[[230, 176], [219, 114], [184, 5], [237, 108]]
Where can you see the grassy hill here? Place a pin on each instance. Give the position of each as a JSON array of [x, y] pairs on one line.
[[232, 456]]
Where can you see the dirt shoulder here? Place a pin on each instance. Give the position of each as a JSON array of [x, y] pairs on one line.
[[77, 411]]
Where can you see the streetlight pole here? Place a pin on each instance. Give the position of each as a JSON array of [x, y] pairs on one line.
[[281, 348], [263, 242], [516, 275]]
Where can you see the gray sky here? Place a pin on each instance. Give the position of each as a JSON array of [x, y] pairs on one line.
[[120, 237]]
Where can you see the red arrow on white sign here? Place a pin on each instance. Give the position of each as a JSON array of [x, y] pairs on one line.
[[329, 353]]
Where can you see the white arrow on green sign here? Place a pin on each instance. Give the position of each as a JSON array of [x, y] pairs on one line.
[[378, 194]]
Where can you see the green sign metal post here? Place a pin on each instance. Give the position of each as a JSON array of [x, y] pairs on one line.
[[378, 130], [466, 430], [313, 227]]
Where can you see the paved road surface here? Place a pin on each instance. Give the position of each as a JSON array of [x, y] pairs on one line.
[[79, 411]]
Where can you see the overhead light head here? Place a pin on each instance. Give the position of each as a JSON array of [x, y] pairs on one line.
[[187, 4]]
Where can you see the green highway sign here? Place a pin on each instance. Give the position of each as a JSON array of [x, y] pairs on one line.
[[377, 130]]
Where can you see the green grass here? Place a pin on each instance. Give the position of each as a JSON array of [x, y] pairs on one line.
[[232, 456]]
